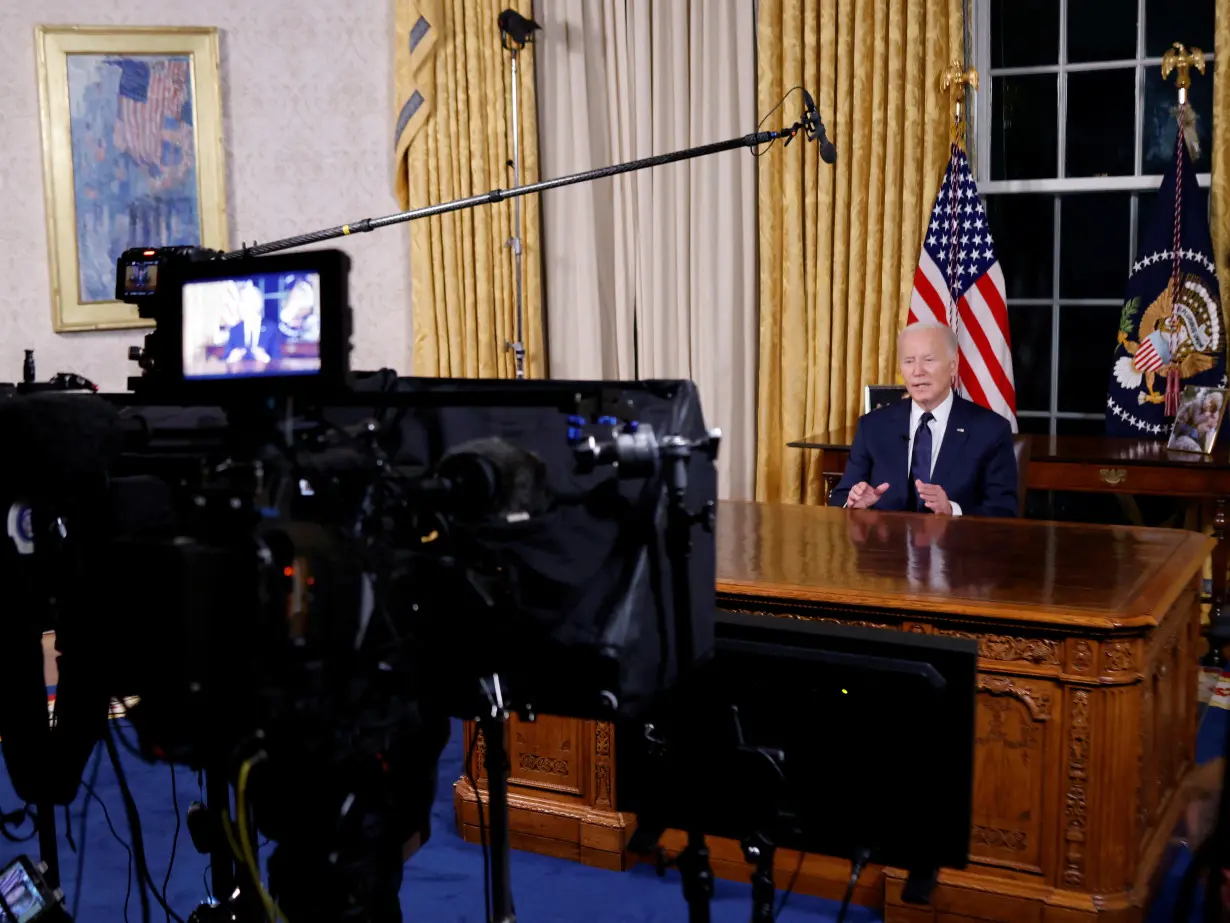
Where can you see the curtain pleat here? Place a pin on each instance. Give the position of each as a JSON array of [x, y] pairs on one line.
[[844, 238]]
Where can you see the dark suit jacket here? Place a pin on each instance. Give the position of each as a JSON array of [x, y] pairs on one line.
[[976, 465], [264, 338]]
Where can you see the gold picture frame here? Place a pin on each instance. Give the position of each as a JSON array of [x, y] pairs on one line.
[[877, 396], [1196, 425], [132, 156]]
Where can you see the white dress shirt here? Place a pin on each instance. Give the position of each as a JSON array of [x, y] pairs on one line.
[[938, 425]]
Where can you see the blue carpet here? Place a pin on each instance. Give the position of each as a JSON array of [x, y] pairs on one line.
[[443, 883]]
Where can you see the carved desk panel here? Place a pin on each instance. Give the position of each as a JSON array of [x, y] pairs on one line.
[[1086, 713]]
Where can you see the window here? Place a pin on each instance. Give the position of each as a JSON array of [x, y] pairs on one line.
[[1071, 134]]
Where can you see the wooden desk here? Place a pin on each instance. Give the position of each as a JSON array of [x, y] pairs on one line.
[[1100, 464], [1086, 706]]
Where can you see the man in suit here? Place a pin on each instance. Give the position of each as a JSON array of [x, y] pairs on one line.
[[252, 337], [936, 452]]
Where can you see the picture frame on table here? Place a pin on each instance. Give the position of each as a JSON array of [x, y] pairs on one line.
[[132, 157], [1199, 419], [877, 396]]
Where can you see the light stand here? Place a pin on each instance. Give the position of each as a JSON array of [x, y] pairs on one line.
[[515, 32]]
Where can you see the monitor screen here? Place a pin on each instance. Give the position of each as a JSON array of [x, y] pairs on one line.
[[140, 279], [20, 893], [257, 325]]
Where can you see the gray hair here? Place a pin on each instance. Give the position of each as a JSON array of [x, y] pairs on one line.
[[950, 336]]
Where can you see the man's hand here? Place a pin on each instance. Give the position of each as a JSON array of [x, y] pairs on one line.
[[933, 498], [862, 495]]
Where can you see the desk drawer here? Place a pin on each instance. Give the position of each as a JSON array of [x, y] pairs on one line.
[[1127, 479]]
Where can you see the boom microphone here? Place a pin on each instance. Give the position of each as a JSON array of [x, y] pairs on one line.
[[815, 130]]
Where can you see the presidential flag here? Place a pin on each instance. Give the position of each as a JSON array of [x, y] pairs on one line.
[[959, 283], [1171, 334]]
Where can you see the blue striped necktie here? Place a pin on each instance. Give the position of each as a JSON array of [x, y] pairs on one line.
[[920, 458]]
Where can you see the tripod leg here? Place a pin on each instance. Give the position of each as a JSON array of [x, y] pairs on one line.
[[697, 878], [497, 803], [764, 891], [48, 848]]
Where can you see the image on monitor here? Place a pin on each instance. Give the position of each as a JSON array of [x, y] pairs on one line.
[[20, 893], [264, 324]]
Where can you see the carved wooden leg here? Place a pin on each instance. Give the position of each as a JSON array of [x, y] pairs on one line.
[[1219, 628]]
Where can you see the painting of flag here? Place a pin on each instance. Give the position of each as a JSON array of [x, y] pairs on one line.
[[142, 166], [134, 161]]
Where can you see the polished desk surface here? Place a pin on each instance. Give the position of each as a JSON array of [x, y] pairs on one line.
[[1091, 450], [1069, 574]]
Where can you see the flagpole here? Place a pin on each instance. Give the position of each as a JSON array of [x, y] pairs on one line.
[[955, 81], [1179, 59]]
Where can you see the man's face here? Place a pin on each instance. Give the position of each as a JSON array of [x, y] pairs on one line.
[[926, 366], [299, 302]]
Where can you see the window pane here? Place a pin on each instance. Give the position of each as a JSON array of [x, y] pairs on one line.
[[1160, 127], [1101, 123], [1030, 328], [1144, 214], [1086, 348], [1024, 32], [1024, 127], [1081, 427], [1039, 425], [1169, 21], [1101, 30], [1023, 228], [1095, 244]]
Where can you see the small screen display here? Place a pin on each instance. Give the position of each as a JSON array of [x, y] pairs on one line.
[[259, 325], [140, 279], [21, 894]]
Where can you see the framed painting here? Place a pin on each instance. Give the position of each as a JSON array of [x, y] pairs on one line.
[[132, 157]]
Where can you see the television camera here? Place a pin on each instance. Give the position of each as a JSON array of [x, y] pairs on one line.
[[318, 567]]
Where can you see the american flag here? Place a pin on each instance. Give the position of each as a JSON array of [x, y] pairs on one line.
[[1154, 352], [959, 283], [151, 99]]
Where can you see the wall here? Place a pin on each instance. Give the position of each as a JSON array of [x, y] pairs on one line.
[[306, 89]]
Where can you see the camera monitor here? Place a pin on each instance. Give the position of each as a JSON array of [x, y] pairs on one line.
[[259, 324], [277, 324], [825, 738]]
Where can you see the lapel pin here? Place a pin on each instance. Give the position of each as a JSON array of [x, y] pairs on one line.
[[960, 429]]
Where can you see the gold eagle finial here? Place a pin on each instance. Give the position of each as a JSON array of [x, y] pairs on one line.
[[954, 82], [1179, 58]]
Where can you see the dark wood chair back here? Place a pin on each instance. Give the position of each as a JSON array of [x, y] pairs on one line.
[[1020, 445]]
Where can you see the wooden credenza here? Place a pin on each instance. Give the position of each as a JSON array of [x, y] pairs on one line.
[[1086, 717]]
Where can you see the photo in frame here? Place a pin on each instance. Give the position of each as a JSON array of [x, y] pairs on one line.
[[1201, 411], [132, 156], [877, 396]]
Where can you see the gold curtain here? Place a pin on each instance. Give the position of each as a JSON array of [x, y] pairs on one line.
[[454, 105], [839, 244], [1219, 212]]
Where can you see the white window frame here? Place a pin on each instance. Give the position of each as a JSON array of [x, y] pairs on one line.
[[980, 134]]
